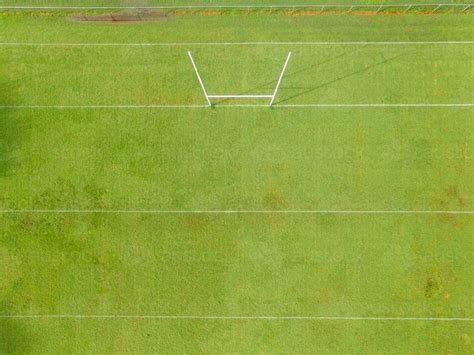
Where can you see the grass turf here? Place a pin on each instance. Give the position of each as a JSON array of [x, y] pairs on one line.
[[236, 158]]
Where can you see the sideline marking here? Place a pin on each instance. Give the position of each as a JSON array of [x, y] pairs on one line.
[[105, 44], [375, 105], [38, 211], [98, 106], [318, 6], [164, 317], [230, 105]]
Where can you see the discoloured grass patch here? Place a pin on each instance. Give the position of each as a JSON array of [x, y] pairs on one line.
[[122, 17]]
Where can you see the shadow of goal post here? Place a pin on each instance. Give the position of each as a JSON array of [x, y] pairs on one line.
[[209, 98]]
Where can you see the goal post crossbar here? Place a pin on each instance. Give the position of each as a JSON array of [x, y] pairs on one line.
[[268, 96], [239, 96]]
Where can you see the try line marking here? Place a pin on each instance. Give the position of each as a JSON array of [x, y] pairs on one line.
[[92, 211], [264, 318], [144, 44], [164, 7], [380, 105]]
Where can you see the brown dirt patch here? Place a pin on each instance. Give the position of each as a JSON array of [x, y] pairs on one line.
[[122, 17]]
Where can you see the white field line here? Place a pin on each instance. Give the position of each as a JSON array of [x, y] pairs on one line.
[[339, 212], [239, 96], [99, 106], [375, 105], [13, 7], [181, 44], [263, 318]]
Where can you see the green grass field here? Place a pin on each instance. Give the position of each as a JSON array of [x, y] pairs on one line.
[[89, 262]]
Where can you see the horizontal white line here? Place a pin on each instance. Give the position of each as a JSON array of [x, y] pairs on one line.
[[241, 105], [264, 318], [375, 105], [239, 96], [13, 7], [428, 212], [145, 44], [98, 106]]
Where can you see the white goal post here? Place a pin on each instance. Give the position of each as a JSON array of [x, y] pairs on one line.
[[269, 96]]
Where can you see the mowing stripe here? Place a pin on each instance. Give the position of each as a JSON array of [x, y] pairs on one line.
[[264, 318], [342, 212], [233, 105], [151, 44]]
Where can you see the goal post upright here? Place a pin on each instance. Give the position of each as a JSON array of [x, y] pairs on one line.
[[200, 79], [244, 96], [280, 79]]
